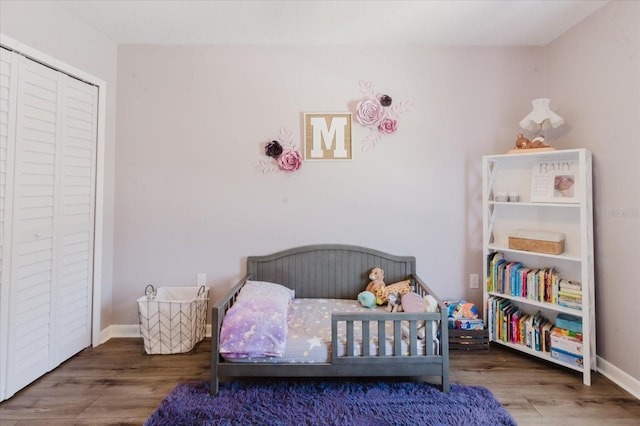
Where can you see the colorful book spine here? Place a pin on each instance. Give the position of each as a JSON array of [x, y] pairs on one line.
[[544, 285]]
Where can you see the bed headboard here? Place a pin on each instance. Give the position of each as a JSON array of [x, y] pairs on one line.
[[334, 271]]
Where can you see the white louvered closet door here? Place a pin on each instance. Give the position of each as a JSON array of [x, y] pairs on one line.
[[75, 215], [50, 219], [7, 131]]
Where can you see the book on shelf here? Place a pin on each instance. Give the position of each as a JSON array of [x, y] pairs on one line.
[[569, 322], [555, 181], [546, 334], [566, 343], [529, 340], [570, 297], [494, 261], [570, 304], [538, 321], [544, 285], [570, 294], [559, 331], [508, 323], [568, 358], [570, 286], [522, 329]]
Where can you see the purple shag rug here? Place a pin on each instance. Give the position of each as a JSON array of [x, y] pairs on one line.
[[333, 403]]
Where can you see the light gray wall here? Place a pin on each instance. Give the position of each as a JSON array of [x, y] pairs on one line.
[[55, 32], [593, 72], [192, 121]]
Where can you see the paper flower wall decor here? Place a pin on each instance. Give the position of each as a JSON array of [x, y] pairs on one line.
[[379, 113], [285, 158]]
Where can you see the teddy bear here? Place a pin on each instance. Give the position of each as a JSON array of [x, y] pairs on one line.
[[524, 143], [377, 280]]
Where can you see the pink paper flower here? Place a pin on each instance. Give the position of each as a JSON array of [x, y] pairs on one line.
[[369, 112], [290, 161], [388, 125]]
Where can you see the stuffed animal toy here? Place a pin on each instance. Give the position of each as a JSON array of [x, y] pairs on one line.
[[377, 280], [463, 309], [394, 302], [430, 303], [412, 302], [524, 143], [367, 299], [402, 287]]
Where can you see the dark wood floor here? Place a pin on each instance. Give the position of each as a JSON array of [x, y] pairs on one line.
[[116, 384]]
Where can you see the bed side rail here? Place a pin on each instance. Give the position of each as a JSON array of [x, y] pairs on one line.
[[422, 289], [410, 322]]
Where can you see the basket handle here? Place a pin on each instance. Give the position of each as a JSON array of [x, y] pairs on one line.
[[149, 290], [201, 290]]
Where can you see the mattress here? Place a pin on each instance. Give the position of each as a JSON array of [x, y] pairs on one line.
[[309, 333]]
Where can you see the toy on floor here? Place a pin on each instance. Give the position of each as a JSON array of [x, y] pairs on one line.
[[463, 315], [463, 309]]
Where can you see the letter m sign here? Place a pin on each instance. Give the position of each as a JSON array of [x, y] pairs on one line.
[[327, 136]]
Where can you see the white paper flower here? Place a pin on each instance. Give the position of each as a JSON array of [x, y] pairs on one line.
[[369, 112]]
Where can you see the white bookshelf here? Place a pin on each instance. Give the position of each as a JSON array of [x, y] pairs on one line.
[[513, 173]]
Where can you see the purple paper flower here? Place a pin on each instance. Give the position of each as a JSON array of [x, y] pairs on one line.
[[388, 125], [385, 100], [290, 161], [273, 149], [369, 112]]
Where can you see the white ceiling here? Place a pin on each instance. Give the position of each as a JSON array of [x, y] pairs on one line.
[[324, 22]]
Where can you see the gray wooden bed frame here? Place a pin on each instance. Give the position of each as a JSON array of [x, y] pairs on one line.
[[338, 271]]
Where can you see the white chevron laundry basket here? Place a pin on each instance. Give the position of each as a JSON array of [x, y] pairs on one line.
[[172, 319]]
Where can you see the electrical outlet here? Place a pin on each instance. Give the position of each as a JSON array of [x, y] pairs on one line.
[[201, 279], [474, 281]]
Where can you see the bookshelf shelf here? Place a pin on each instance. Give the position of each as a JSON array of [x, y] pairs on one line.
[[530, 204], [541, 207], [504, 249], [542, 355], [542, 305]]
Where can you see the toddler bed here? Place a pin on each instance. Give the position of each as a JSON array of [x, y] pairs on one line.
[[328, 334]]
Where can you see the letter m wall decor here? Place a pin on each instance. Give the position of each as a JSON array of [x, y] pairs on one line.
[[327, 136]]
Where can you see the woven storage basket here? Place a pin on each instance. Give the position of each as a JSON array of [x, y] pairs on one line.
[[172, 319], [537, 241]]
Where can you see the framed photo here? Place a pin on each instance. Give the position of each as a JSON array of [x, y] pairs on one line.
[[555, 181], [327, 136]]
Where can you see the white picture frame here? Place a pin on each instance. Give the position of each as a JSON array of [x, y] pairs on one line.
[[555, 181]]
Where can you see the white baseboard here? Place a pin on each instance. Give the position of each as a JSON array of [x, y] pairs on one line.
[[122, 330], [610, 371], [129, 330], [619, 377]]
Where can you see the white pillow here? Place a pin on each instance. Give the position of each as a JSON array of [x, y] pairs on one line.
[[264, 288]]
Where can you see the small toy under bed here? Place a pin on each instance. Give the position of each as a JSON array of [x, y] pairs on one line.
[[325, 323]]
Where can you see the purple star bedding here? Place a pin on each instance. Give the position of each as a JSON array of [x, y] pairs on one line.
[[266, 324]]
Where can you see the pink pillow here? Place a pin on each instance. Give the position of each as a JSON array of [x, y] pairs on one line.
[[412, 302]]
